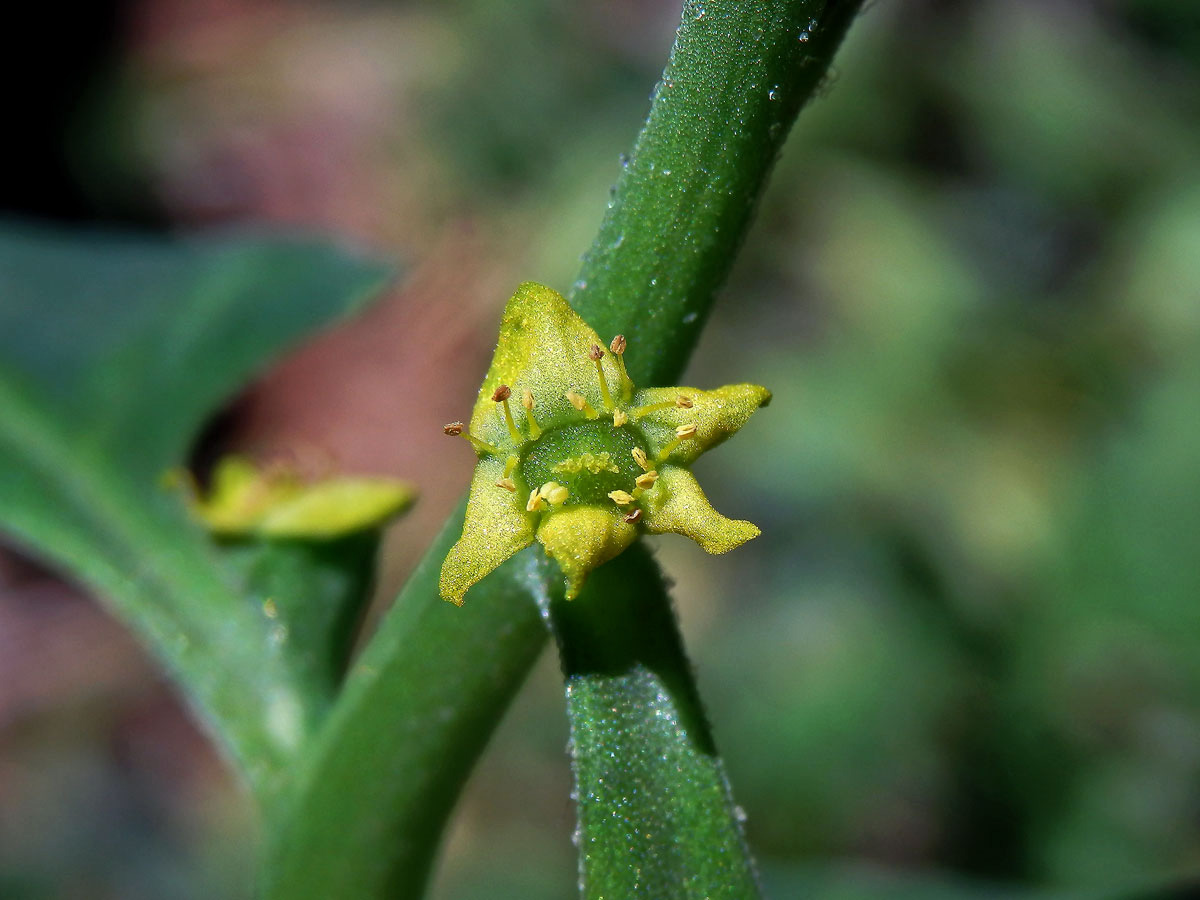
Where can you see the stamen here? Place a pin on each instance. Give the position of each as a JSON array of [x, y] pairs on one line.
[[596, 355], [620, 417], [580, 403], [510, 465], [681, 401], [639, 457], [501, 395], [633, 517], [682, 433], [535, 430], [553, 493], [507, 484], [646, 480], [621, 498], [618, 350], [535, 501], [454, 429]]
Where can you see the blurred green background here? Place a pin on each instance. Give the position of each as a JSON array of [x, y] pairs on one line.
[[964, 658]]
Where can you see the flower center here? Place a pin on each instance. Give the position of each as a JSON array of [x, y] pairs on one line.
[[590, 460]]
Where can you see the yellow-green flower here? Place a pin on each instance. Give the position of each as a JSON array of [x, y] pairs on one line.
[[275, 501], [570, 453]]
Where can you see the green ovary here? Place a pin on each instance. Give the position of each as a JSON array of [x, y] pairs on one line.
[[589, 460]]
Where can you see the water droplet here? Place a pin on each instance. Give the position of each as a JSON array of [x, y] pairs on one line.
[[619, 241], [691, 317], [624, 160], [580, 285], [699, 14], [666, 171], [773, 93]]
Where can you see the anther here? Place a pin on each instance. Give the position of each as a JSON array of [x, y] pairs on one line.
[[646, 480], [619, 418], [633, 517], [535, 501], [682, 433], [501, 395], [580, 403], [618, 350], [596, 355], [535, 431], [639, 457], [454, 429], [621, 498], [683, 402], [507, 484], [553, 493]]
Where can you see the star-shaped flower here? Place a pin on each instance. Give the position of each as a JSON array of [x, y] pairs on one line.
[[570, 453]]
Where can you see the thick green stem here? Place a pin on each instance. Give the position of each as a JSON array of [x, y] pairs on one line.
[[738, 75], [656, 817], [419, 706]]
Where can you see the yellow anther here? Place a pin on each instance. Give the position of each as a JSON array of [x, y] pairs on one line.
[[633, 517], [620, 417], [507, 484], [454, 429], [535, 501], [618, 350], [535, 431], [683, 401], [639, 457], [580, 403], [646, 480], [596, 355], [621, 498], [501, 395], [682, 433], [553, 493]]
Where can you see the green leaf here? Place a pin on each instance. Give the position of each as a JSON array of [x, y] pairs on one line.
[[113, 351]]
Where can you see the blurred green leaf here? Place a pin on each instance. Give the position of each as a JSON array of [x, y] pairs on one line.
[[113, 351]]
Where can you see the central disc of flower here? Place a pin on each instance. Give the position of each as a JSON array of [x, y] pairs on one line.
[[590, 460]]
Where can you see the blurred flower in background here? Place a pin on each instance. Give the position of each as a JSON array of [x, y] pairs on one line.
[[963, 658]]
